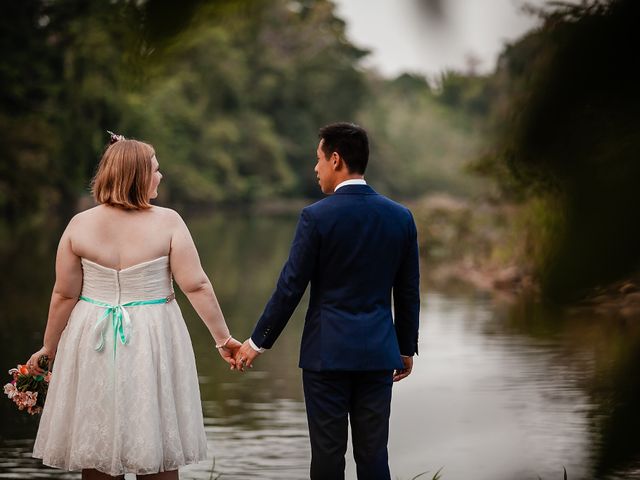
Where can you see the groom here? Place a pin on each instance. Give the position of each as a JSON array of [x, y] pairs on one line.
[[356, 247]]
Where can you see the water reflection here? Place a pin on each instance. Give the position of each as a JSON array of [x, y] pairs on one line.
[[494, 405], [498, 392]]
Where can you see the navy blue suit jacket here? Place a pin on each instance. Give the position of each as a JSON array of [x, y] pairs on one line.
[[356, 247]]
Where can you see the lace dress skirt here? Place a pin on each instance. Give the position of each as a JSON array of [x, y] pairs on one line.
[[124, 395]]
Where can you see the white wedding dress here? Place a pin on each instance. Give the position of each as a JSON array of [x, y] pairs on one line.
[[124, 395]]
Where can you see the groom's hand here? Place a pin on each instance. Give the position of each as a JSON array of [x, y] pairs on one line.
[[406, 371], [245, 356]]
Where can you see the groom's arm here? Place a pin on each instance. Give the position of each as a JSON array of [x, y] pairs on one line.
[[292, 283], [406, 295]]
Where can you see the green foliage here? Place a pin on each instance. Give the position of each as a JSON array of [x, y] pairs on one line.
[[539, 228], [62, 71], [237, 103], [422, 140], [26, 136], [231, 99], [230, 93], [467, 93], [564, 120]]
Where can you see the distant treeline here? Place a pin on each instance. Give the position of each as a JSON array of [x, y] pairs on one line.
[[230, 93]]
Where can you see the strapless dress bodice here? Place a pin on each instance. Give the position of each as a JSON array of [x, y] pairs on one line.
[[144, 281]]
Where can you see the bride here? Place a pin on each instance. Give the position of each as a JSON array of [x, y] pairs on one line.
[[124, 395]]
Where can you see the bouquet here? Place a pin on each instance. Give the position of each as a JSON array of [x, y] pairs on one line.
[[27, 390]]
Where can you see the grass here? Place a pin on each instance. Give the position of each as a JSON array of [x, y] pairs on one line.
[[437, 475]]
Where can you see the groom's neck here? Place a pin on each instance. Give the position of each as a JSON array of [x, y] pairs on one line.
[[345, 177]]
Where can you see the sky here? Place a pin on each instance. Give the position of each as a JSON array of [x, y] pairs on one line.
[[404, 36]]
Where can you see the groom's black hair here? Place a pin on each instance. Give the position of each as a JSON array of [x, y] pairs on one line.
[[349, 141]]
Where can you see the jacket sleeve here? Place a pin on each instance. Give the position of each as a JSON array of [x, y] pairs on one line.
[[406, 295], [292, 283]]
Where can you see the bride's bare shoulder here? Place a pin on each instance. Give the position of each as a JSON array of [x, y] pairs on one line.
[[86, 216], [90, 212], [101, 215], [167, 214]]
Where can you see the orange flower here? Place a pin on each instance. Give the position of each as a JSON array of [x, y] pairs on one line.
[[23, 369]]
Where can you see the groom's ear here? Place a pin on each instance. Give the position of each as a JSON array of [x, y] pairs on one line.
[[336, 161]]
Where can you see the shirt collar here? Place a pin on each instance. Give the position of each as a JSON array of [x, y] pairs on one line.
[[353, 181]]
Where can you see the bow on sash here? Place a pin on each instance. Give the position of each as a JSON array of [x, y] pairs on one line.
[[120, 319]]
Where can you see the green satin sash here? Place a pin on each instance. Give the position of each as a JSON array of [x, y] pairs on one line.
[[120, 319]]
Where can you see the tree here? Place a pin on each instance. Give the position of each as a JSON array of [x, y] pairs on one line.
[[568, 130]]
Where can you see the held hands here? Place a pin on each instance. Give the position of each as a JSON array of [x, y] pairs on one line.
[[406, 371], [228, 350], [245, 356]]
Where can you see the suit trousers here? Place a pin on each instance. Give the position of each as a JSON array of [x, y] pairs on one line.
[[332, 399]]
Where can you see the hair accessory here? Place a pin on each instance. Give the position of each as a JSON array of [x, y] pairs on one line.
[[115, 137]]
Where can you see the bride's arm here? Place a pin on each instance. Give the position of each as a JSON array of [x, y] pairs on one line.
[[193, 281], [65, 295]]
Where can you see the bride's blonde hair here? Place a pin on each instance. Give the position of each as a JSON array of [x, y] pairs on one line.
[[124, 175]]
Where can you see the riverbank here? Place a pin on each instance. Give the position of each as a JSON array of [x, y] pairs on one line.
[[486, 246], [466, 245], [474, 243], [619, 300]]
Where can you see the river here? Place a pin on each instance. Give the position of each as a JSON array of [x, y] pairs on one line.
[[501, 390]]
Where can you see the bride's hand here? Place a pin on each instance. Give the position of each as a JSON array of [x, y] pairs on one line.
[[228, 351], [33, 362]]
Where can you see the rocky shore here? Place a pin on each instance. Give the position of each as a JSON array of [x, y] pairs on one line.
[[620, 299], [483, 245], [472, 243]]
